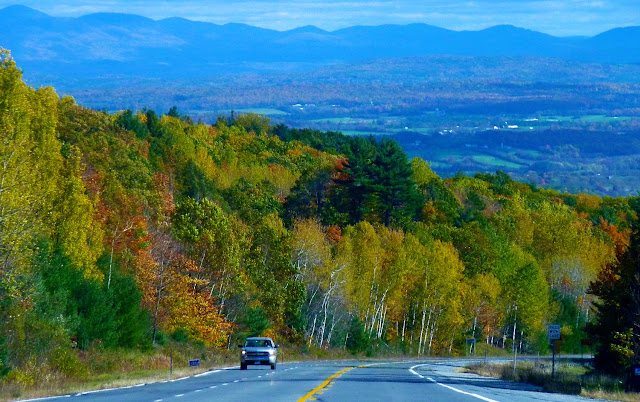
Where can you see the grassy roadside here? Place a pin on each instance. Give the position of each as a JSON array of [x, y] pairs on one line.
[[83, 371], [570, 378]]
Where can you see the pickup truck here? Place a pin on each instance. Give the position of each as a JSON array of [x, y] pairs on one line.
[[258, 350]]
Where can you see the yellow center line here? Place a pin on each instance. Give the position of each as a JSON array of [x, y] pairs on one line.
[[328, 382], [324, 384]]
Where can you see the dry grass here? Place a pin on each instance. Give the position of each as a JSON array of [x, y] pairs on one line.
[[570, 378], [12, 391], [81, 371], [103, 369], [612, 396]]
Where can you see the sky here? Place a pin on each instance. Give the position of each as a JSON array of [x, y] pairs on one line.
[[555, 17]]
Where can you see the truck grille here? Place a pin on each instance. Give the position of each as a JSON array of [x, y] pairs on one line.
[[257, 354]]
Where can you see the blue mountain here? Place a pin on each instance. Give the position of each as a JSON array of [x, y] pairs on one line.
[[124, 44]]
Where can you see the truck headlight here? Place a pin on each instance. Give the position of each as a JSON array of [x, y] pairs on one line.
[[244, 352], [271, 353]]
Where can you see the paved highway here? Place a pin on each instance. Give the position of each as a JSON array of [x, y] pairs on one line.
[[426, 380]]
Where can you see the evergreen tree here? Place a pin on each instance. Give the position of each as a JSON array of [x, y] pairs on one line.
[[375, 184], [616, 330], [397, 195]]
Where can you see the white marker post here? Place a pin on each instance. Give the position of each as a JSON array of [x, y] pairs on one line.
[[553, 334]]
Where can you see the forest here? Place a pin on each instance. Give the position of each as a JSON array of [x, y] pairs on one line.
[[132, 230]]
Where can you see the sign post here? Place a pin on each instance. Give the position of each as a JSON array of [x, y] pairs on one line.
[[553, 335]]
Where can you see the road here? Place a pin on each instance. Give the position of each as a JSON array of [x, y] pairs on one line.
[[425, 380]]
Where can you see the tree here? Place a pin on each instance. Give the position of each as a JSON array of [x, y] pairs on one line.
[[397, 195], [525, 293], [438, 272], [308, 198], [323, 277], [214, 240], [274, 276], [375, 183], [193, 311], [30, 164], [358, 340], [253, 123], [4, 355], [72, 216], [616, 329]]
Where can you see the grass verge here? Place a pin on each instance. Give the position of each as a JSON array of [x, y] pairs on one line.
[[96, 369], [570, 378]]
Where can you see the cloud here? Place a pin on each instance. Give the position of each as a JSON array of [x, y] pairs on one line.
[[558, 17]]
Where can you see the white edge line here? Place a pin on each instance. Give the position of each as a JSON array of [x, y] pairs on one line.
[[46, 398], [412, 371], [450, 387], [178, 379], [467, 393], [207, 373], [102, 390]]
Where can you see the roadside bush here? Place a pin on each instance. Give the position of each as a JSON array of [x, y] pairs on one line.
[[358, 341], [180, 335], [65, 361], [20, 377]]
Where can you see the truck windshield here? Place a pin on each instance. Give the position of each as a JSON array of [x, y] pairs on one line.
[[257, 343]]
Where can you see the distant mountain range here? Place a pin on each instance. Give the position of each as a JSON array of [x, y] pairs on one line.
[[104, 44]]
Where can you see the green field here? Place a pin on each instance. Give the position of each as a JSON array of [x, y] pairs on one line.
[[494, 161], [361, 133], [594, 118], [264, 111], [343, 120]]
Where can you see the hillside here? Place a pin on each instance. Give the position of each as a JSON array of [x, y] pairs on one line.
[[126, 234]]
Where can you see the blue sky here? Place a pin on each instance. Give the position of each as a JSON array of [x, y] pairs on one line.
[[556, 17]]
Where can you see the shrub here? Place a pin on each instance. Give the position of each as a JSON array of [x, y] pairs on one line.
[[66, 361], [358, 341]]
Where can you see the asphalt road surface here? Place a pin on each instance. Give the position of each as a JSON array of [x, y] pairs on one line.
[[415, 380]]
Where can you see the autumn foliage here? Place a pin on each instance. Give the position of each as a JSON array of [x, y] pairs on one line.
[[208, 233]]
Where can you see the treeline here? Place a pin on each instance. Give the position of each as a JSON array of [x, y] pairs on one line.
[[125, 230], [402, 98], [395, 87]]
